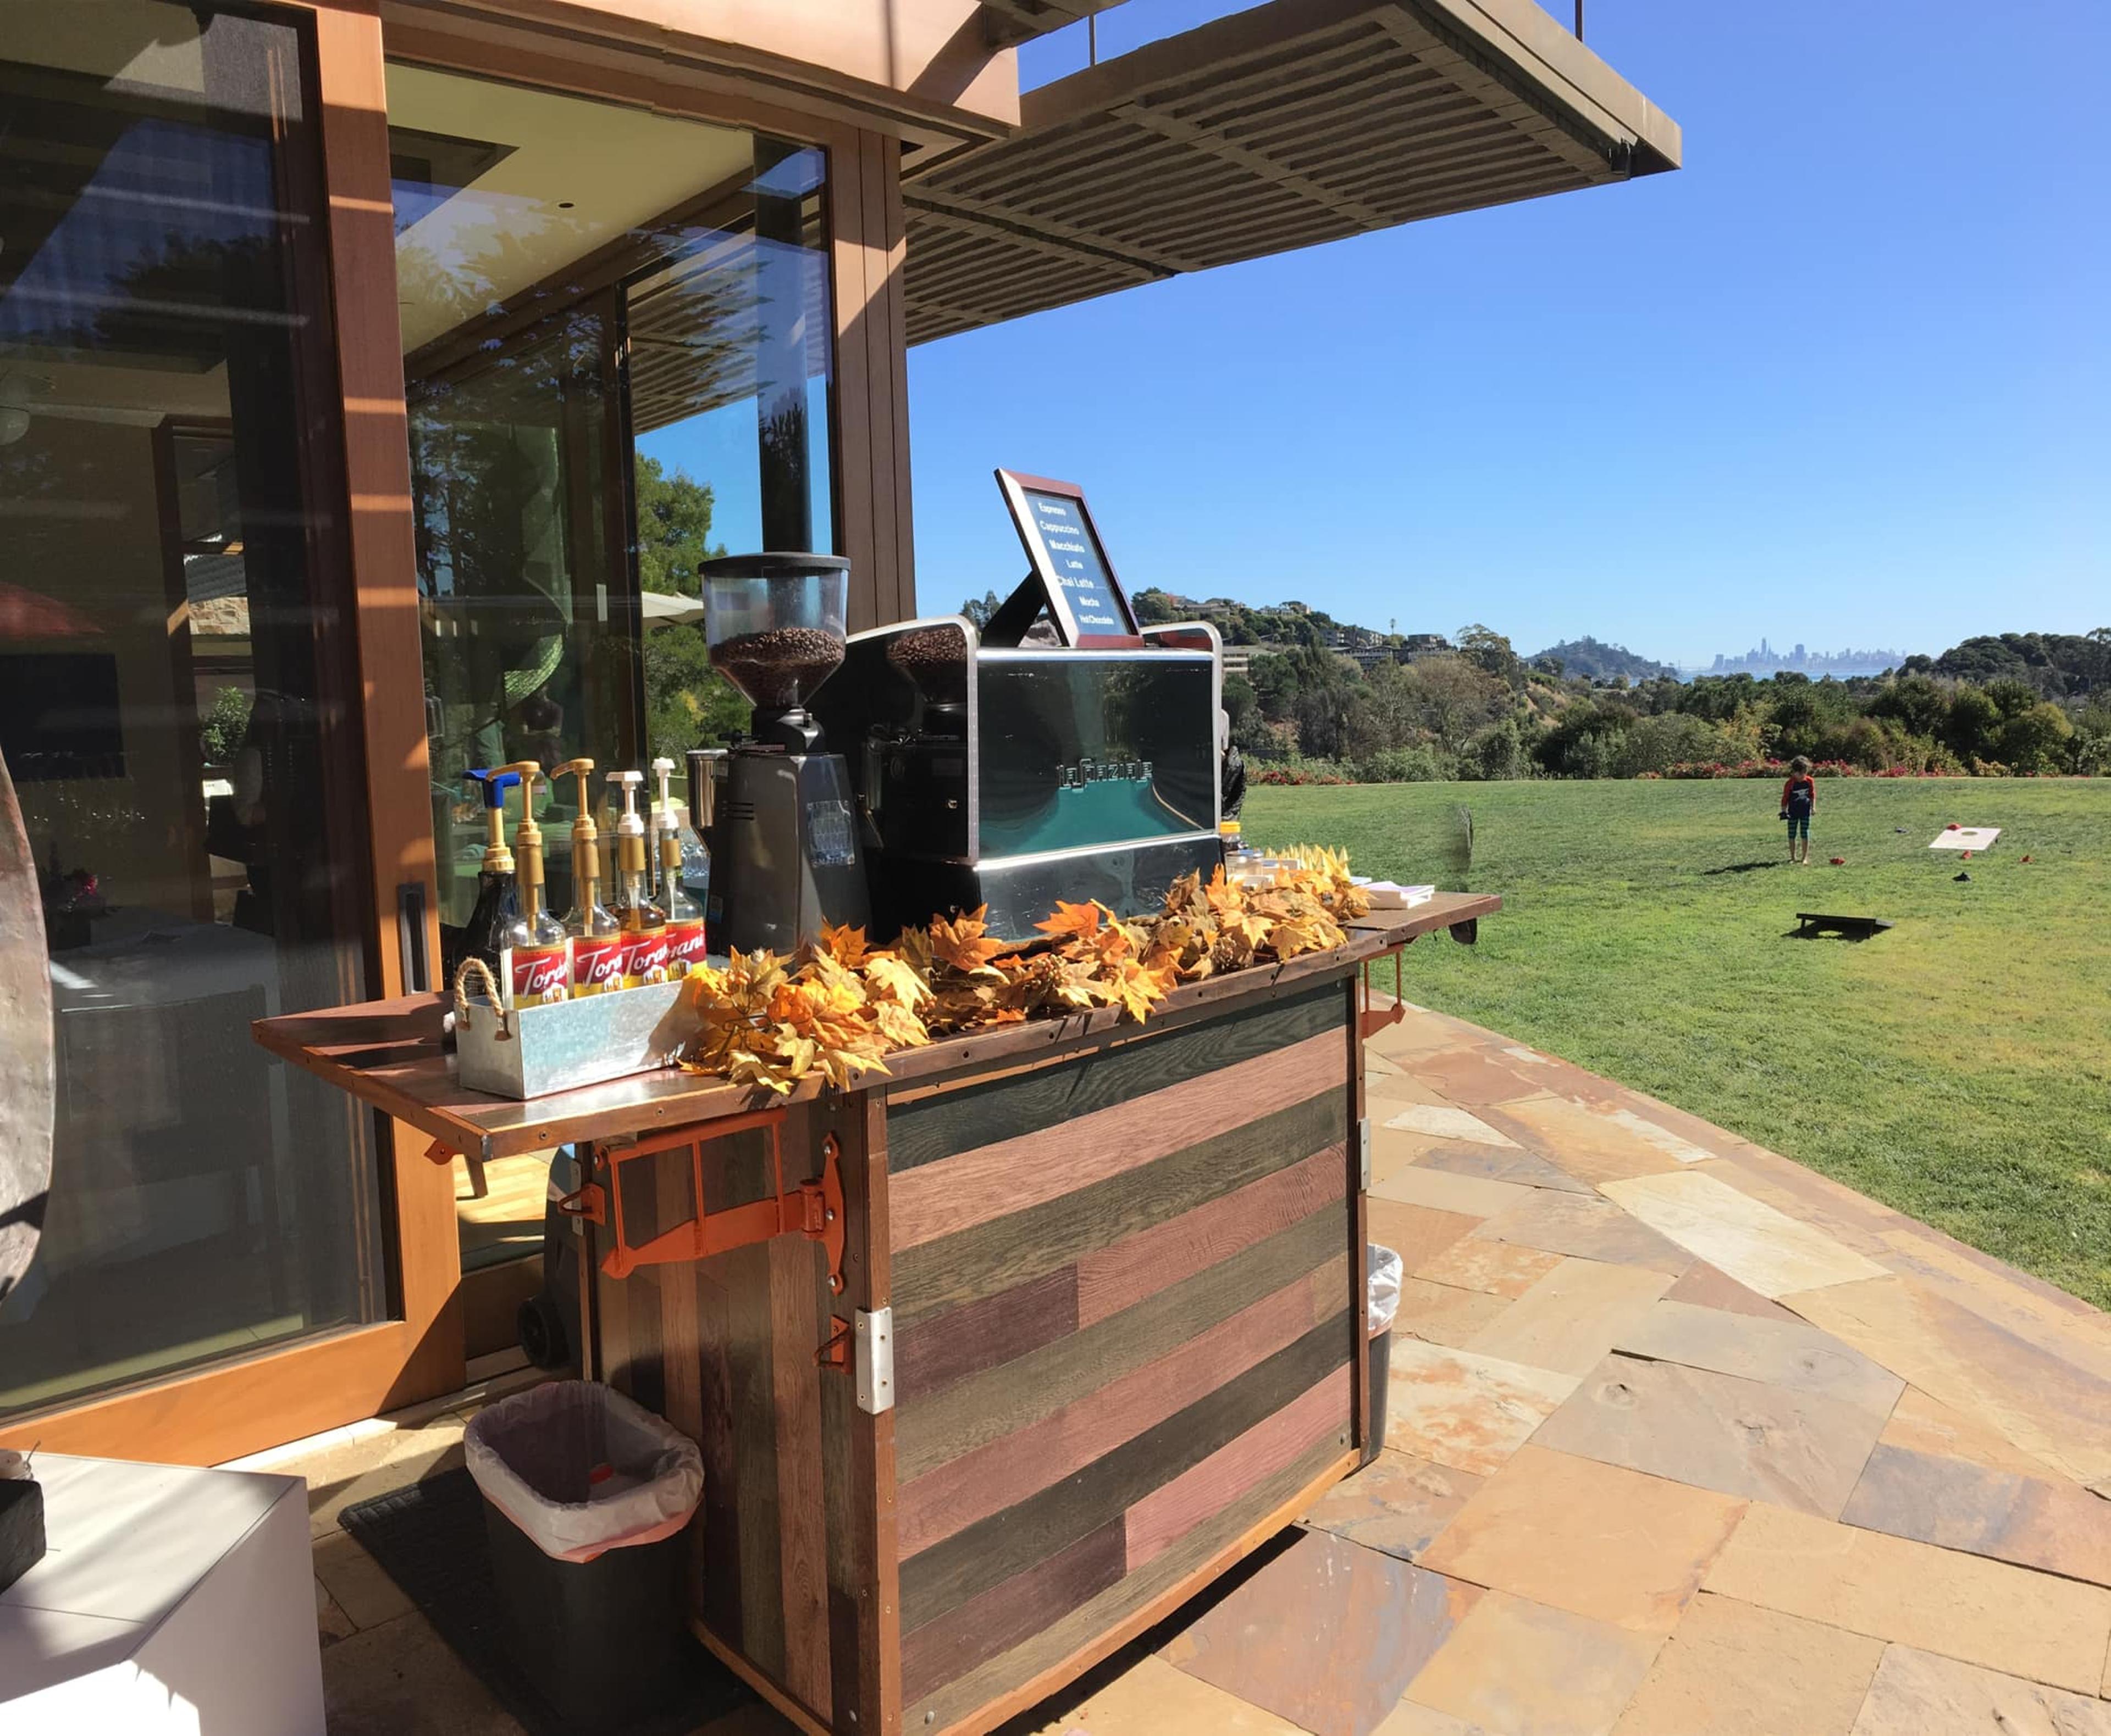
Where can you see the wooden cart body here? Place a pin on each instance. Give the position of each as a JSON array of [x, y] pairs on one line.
[[1098, 1335]]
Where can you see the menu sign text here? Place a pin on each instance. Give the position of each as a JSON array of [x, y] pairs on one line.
[[1083, 594]]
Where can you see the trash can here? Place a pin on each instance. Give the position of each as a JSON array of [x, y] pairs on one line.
[[586, 1496], [1382, 1270]]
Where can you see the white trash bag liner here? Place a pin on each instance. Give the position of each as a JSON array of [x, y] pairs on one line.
[[583, 1470], [1382, 1300]]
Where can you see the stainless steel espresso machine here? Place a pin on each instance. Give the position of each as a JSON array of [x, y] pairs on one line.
[[778, 811], [1058, 752]]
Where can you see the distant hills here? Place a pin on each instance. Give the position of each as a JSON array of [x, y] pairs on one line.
[[1595, 661]]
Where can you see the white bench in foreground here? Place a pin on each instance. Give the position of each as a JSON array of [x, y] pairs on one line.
[[169, 1599]]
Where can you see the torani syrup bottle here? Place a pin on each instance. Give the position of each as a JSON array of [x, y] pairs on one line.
[[538, 958], [596, 937], [644, 923], [685, 916], [497, 900]]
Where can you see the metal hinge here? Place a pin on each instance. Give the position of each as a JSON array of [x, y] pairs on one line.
[[1364, 1153], [873, 1331]]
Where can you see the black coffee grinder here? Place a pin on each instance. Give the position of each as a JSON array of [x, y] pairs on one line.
[[784, 842]]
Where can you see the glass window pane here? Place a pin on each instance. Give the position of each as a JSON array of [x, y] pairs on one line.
[[175, 694], [617, 327]]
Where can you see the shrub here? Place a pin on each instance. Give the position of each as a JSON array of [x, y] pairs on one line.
[[1495, 751], [1655, 743], [1424, 765], [225, 724]]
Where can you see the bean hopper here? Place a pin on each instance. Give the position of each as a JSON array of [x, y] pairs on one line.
[[782, 827]]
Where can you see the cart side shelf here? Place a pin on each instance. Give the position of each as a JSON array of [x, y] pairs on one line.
[[388, 1053]]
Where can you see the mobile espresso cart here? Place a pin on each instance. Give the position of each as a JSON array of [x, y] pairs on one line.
[[995, 1357]]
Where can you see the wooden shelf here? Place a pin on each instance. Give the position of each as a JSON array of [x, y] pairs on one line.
[[391, 1053]]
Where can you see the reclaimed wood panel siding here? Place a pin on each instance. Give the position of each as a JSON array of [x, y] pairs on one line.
[[1125, 1325], [725, 1349]]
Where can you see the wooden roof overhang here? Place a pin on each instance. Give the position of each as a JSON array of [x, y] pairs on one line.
[[1294, 123]]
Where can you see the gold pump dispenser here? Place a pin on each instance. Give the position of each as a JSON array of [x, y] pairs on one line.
[[685, 916], [644, 923], [535, 960], [595, 935]]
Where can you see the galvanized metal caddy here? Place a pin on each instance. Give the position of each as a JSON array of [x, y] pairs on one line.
[[524, 1052]]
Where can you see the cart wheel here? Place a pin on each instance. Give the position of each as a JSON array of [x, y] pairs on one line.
[[543, 1335]]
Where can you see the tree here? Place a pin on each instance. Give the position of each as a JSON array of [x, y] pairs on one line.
[[1490, 651], [980, 612], [1914, 702], [674, 527], [1274, 680], [1970, 725], [688, 703], [1451, 697], [2036, 740]]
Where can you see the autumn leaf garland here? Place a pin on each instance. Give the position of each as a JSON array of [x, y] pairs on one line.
[[764, 1024]]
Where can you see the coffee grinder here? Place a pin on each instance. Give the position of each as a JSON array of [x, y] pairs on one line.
[[784, 825]]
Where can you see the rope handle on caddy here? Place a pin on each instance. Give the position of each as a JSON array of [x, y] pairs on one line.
[[490, 993]]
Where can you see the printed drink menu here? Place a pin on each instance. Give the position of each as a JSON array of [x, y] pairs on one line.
[[1089, 592]]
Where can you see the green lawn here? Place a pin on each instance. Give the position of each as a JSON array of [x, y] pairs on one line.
[[1958, 1068]]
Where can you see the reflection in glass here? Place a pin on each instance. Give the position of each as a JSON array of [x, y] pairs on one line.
[[172, 696], [617, 330]]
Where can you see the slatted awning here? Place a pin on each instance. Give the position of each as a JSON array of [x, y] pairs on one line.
[[1297, 122]]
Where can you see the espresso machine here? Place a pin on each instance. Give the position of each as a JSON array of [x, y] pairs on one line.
[[1061, 751], [777, 810]]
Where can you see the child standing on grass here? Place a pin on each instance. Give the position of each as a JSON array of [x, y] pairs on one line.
[[1799, 796]]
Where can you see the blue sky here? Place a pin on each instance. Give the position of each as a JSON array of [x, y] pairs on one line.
[[1845, 378]]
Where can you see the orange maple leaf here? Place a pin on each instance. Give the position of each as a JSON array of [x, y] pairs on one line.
[[845, 945], [961, 944], [1079, 922]]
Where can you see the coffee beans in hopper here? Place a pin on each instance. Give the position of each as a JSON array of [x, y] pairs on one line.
[[778, 667], [937, 657]]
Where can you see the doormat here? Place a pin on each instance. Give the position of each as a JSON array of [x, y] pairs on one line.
[[428, 1538]]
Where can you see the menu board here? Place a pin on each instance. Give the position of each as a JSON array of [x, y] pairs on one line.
[[1084, 597]]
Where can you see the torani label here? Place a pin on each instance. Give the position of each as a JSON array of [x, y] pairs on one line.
[[685, 948], [597, 963], [645, 958], [540, 973]]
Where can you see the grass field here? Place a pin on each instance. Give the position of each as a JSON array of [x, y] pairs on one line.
[[1957, 1068]]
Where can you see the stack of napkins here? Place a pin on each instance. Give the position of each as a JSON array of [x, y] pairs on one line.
[[1388, 895]]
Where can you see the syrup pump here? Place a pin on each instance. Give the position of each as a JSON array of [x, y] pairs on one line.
[[497, 901], [685, 916], [644, 923], [535, 961], [595, 935]]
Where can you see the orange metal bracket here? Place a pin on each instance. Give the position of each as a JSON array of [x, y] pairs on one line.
[[1370, 1019], [813, 1209]]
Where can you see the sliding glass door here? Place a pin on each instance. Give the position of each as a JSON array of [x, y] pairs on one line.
[[178, 705], [616, 327]]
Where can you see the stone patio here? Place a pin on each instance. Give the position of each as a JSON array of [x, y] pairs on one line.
[[1683, 1438]]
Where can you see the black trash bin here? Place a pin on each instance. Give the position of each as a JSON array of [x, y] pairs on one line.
[[586, 1495]]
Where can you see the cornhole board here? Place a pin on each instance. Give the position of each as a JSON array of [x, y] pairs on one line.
[[1965, 838], [1859, 928]]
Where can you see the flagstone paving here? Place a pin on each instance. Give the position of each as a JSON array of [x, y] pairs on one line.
[[1683, 1440]]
